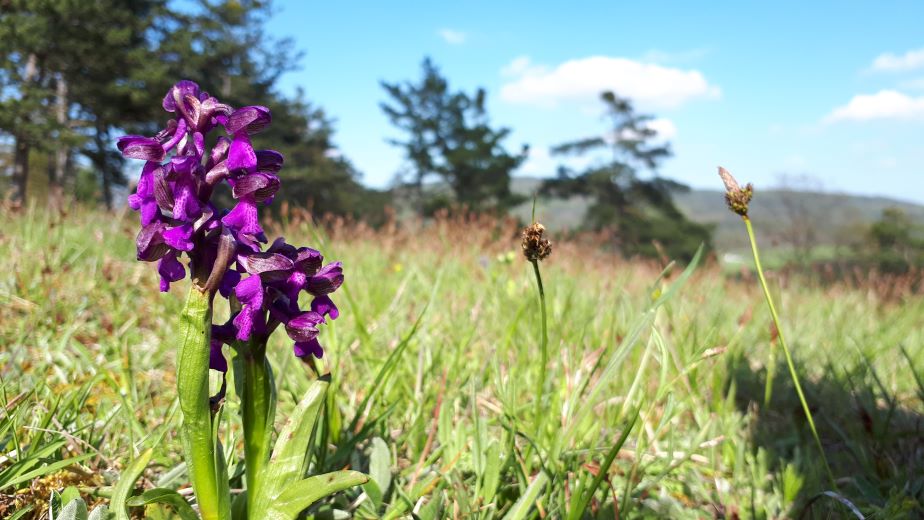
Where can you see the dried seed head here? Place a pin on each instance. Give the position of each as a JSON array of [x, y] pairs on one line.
[[736, 197], [534, 246], [730, 183]]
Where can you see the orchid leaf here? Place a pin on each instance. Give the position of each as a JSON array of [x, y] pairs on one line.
[[301, 495], [168, 497], [289, 460]]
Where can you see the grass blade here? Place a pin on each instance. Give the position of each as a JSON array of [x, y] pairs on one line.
[[126, 484]]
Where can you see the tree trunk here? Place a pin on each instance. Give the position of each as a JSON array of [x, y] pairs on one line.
[[20, 169], [22, 145], [103, 165], [59, 166]]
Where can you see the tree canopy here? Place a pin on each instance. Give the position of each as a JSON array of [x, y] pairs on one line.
[[75, 74], [639, 210], [449, 138]]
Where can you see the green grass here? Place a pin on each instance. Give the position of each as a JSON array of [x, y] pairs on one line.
[[435, 378]]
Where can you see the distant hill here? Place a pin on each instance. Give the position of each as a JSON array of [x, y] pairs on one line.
[[835, 217]]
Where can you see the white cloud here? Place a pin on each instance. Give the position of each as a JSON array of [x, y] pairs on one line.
[[911, 60], [452, 36], [584, 79], [665, 57], [885, 104], [520, 66], [665, 128], [539, 162]]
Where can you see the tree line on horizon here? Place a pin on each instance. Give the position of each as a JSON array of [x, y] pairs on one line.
[[74, 75]]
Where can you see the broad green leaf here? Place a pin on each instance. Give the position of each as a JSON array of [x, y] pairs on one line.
[[75, 509], [380, 464], [293, 448], [69, 494], [299, 496], [100, 513], [165, 496], [127, 483]]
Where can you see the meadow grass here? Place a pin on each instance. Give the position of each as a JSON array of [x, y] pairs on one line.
[[654, 390]]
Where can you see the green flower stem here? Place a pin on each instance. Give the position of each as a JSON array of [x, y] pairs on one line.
[[543, 346], [771, 375], [257, 403], [193, 389], [782, 338]]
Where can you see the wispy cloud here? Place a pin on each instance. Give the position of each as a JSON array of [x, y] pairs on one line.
[[665, 128], [452, 36], [583, 79], [520, 66], [885, 104], [888, 62], [913, 84], [540, 161], [675, 57]]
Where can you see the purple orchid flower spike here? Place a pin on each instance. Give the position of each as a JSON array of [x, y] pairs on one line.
[[222, 251], [181, 228]]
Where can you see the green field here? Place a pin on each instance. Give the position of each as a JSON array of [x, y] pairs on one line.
[[435, 364]]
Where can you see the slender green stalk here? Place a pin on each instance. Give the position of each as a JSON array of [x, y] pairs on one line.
[[543, 346], [771, 375], [257, 409], [782, 338], [193, 390]]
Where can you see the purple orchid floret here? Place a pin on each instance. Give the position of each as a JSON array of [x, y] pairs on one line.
[[224, 247], [269, 295]]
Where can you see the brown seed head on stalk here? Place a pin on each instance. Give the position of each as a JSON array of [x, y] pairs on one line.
[[736, 197], [534, 246]]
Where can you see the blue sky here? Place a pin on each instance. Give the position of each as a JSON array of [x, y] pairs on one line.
[[831, 90]]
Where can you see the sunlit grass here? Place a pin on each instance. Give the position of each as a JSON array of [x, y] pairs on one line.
[[435, 379]]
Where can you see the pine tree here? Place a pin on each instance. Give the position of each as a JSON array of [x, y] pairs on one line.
[[640, 211], [449, 138]]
